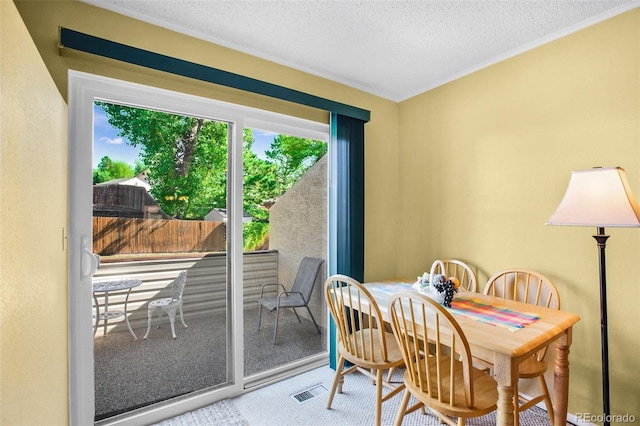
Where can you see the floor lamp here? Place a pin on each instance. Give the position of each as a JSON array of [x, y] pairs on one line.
[[599, 197]]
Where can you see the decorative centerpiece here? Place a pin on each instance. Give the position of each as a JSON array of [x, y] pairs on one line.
[[437, 286]]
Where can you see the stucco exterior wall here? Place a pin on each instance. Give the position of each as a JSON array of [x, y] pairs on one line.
[[298, 228]]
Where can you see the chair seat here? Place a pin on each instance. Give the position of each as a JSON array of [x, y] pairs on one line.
[[485, 391], [364, 342], [165, 302], [291, 301], [531, 368]]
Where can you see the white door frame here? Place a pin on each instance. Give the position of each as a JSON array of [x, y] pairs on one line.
[[84, 89]]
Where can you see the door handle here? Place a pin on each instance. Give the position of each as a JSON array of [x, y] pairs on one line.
[[89, 262]]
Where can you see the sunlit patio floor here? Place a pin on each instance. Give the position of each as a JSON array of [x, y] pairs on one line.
[[134, 373]]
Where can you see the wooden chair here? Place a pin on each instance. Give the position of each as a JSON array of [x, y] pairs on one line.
[[463, 272], [362, 338], [527, 286], [441, 377]]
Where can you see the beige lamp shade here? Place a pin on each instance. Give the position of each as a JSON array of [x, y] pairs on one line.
[[598, 197]]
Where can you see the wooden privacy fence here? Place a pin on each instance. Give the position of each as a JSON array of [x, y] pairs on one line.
[[117, 235]]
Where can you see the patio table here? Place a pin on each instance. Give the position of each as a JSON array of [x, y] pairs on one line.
[[111, 286]]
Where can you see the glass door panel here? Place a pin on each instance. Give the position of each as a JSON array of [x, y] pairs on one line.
[[285, 219], [159, 208]]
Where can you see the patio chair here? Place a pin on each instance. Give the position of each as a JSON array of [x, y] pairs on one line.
[[531, 287], [297, 297], [169, 305], [439, 375], [363, 340]]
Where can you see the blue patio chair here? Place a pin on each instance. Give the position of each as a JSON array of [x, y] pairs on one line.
[[297, 297]]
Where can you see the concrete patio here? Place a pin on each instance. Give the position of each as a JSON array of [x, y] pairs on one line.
[[130, 373]]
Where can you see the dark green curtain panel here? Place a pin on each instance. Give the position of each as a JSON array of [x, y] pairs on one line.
[[347, 142], [347, 138]]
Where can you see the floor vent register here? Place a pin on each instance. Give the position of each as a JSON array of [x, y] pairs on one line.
[[308, 394]]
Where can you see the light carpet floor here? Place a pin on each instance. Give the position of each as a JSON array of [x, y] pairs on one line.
[[274, 406]]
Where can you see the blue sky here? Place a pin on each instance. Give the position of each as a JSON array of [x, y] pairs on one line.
[[262, 142], [106, 141]]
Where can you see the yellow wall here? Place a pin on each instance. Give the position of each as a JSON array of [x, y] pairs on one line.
[[486, 159], [474, 168], [33, 213]]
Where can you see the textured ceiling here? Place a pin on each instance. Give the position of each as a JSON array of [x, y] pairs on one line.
[[393, 49]]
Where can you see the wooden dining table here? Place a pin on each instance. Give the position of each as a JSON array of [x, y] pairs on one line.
[[504, 347]]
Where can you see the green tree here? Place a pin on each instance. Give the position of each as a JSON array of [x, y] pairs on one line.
[[108, 170], [292, 157], [287, 160], [185, 157], [185, 160]]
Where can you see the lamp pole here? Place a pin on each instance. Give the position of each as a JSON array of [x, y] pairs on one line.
[[601, 240]]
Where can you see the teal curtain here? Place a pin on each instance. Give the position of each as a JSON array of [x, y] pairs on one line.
[[347, 137], [347, 200]]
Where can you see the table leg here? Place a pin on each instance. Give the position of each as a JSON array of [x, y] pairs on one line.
[[106, 313], [95, 324], [505, 372], [561, 379], [126, 317]]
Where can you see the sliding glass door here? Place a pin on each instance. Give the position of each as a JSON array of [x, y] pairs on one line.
[[163, 183]]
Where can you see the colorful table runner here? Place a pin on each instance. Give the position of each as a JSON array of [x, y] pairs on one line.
[[494, 315], [390, 289]]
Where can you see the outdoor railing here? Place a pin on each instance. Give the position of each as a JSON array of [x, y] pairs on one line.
[[206, 289]]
